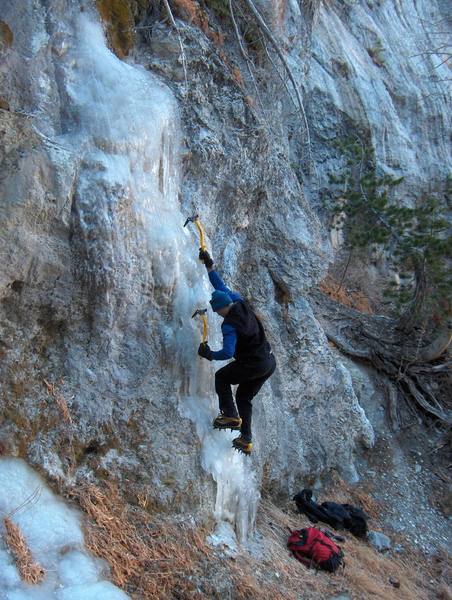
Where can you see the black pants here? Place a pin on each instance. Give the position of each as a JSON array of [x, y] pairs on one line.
[[250, 377]]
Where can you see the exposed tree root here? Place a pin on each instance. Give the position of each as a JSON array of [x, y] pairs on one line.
[[248, 61], [375, 339]]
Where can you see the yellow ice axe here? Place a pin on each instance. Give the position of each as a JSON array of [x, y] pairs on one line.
[[202, 312], [202, 236]]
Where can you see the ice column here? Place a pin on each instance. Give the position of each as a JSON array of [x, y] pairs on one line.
[[128, 132]]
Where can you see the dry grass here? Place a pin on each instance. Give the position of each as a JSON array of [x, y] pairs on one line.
[[143, 500], [237, 76], [30, 571], [351, 298], [369, 572], [342, 492], [146, 558], [59, 400], [151, 558]]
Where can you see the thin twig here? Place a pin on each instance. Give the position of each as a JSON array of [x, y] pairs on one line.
[[345, 270], [284, 82], [443, 61], [176, 27], [32, 499], [265, 29], [246, 57]]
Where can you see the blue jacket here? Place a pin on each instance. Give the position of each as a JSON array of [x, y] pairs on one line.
[[228, 331]]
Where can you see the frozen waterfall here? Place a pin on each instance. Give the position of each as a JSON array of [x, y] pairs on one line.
[[129, 132]]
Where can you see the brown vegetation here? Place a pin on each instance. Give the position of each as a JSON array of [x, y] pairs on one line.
[[59, 400], [191, 11], [6, 35], [29, 570], [146, 558], [152, 558], [340, 293], [118, 19], [237, 76]]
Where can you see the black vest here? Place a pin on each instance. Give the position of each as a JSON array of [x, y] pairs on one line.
[[252, 345]]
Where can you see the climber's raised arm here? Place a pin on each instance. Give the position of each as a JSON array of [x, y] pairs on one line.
[[214, 278]]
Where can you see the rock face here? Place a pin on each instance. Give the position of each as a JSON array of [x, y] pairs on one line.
[[98, 279], [373, 70]]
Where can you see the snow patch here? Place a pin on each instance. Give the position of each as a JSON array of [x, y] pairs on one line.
[[54, 536]]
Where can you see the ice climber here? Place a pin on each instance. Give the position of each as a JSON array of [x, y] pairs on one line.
[[243, 339]]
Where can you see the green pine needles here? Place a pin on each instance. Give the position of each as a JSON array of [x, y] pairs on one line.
[[417, 238]]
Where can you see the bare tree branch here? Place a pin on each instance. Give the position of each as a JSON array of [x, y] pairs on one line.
[[265, 29], [245, 55], [182, 50]]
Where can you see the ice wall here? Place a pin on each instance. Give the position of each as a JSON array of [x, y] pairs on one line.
[[53, 533], [129, 134]]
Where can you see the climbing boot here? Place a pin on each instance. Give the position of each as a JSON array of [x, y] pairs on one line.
[[243, 445], [224, 422]]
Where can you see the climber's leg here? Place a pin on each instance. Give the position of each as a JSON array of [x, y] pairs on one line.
[[244, 396], [246, 392], [250, 379], [229, 375]]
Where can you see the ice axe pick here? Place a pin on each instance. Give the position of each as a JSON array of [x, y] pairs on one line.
[[202, 312], [195, 219]]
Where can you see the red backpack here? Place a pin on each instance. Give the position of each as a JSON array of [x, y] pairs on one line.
[[313, 548]]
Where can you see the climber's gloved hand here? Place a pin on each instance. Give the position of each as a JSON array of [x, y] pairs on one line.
[[204, 351], [206, 258]]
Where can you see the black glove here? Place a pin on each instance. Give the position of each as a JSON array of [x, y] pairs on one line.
[[205, 351], [206, 258]]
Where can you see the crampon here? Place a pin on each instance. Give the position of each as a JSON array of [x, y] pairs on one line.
[[242, 445], [224, 422]]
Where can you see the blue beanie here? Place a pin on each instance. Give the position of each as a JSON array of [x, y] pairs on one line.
[[220, 300]]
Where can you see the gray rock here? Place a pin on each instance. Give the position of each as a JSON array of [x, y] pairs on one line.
[[87, 300], [379, 541]]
